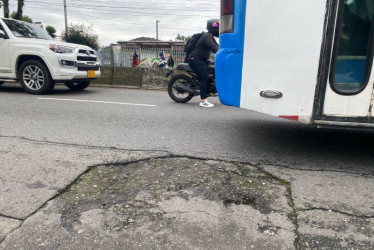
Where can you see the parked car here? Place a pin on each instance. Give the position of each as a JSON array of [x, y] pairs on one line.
[[28, 54]]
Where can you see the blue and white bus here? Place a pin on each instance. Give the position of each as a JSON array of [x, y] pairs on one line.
[[304, 60]]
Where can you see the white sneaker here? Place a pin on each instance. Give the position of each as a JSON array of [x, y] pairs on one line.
[[206, 104]]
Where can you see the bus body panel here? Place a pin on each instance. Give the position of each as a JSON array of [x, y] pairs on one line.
[[229, 59], [281, 53], [348, 106]]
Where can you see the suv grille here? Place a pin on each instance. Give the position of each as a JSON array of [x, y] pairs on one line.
[[82, 51], [86, 55], [86, 58]]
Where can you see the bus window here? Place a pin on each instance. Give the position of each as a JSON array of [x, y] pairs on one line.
[[352, 48]]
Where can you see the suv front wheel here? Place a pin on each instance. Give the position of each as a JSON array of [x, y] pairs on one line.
[[77, 85], [35, 78]]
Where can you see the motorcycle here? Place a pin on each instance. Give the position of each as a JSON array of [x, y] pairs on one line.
[[184, 84]]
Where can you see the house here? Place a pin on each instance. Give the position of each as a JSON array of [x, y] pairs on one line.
[[149, 48], [152, 43]]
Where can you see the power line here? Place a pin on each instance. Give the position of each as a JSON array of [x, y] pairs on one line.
[[150, 5], [81, 13], [96, 10], [116, 20], [184, 9], [133, 13], [137, 8], [129, 11]]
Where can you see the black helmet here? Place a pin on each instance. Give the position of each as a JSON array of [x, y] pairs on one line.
[[213, 26]]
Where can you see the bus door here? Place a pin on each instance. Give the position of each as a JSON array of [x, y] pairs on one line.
[[347, 88]]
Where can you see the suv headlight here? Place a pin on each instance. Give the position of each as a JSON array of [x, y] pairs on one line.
[[61, 49]]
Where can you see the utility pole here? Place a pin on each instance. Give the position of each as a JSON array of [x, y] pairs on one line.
[[157, 21], [66, 18]]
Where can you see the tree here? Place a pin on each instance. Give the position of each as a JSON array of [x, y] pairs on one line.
[[19, 13], [182, 38], [6, 8], [81, 34], [22, 18], [51, 30]]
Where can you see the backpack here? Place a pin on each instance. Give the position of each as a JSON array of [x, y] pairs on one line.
[[191, 44]]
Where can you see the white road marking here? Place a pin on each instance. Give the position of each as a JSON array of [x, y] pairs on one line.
[[117, 103]]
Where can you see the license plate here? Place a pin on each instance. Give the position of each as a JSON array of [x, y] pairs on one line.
[[91, 73]]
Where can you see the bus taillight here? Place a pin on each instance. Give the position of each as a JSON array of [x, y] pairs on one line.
[[227, 16]]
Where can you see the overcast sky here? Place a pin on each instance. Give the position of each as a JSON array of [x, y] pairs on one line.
[[122, 20]]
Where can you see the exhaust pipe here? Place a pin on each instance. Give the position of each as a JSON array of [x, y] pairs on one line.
[[182, 88]]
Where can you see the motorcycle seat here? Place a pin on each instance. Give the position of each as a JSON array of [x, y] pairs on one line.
[[184, 66]]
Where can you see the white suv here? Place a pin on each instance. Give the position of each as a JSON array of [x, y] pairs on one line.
[[30, 55]]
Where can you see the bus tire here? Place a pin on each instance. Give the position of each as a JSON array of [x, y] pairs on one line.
[[180, 96]]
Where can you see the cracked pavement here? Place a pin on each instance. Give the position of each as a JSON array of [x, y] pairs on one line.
[[109, 198]]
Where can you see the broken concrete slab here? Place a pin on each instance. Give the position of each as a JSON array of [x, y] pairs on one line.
[[330, 230], [7, 225], [28, 179], [168, 203], [327, 190]]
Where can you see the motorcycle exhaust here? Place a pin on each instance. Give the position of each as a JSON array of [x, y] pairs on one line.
[[182, 88]]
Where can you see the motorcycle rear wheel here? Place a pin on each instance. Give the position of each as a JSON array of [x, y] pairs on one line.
[[180, 96]]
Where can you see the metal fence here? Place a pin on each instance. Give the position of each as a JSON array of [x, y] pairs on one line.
[[116, 55]]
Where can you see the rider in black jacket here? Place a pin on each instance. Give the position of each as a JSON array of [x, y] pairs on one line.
[[199, 57]]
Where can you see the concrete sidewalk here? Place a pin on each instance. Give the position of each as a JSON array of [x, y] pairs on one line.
[[104, 198]]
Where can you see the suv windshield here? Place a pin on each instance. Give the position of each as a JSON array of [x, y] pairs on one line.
[[28, 30]]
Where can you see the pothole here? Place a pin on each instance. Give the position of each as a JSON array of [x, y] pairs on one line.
[[169, 203]]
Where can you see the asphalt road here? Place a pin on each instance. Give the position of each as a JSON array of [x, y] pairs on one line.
[[113, 118], [63, 175]]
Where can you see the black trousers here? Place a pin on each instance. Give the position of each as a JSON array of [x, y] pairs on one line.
[[199, 66]]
